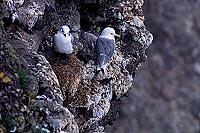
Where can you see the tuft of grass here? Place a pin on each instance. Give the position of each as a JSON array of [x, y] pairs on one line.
[[24, 79], [8, 122]]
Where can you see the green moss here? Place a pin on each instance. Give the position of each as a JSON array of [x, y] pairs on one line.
[[13, 59], [7, 122], [15, 64], [24, 78]]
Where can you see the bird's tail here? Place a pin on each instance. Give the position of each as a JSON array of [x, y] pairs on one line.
[[99, 70]]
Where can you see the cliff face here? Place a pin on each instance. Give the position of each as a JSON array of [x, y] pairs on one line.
[[45, 91]]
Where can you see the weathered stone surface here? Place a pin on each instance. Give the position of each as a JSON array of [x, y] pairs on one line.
[[64, 93]]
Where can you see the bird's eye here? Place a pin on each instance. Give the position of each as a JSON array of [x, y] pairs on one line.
[[112, 34], [68, 34]]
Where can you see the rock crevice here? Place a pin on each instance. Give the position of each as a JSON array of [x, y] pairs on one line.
[[64, 94]]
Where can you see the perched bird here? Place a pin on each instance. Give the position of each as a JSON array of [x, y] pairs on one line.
[[105, 48], [63, 40]]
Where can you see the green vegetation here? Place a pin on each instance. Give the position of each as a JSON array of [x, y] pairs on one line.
[[7, 122], [24, 79]]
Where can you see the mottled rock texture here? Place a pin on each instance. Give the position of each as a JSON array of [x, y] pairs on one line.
[[45, 91], [166, 94]]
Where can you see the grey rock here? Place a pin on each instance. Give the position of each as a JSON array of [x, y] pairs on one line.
[[66, 94]]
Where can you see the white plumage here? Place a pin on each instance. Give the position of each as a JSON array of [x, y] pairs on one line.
[[63, 40]]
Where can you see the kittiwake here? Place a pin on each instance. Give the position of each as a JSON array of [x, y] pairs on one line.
[[105, 48], [63, 40]]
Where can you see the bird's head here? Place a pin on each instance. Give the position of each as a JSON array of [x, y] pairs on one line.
[[109, 32], [65, 30]]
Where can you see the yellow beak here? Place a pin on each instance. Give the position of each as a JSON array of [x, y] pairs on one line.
[[116, 35]]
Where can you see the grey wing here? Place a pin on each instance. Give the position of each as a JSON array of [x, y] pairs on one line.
[[100, 46], [105, 46], [72, 38], [100, 52], [110, 48], [105, 50]]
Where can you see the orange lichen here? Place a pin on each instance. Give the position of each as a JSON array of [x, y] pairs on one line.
[[1, 130], [6, 79], [2, 75]]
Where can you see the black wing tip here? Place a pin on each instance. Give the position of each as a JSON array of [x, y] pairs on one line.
[[98, 71], [102, 70]]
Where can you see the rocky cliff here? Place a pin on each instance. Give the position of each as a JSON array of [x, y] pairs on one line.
[[45, 91]]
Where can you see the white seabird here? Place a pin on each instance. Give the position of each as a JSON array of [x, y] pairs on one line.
[[105, 48], [63, 40]]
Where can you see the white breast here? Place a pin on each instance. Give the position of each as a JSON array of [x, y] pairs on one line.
[[63, 44]]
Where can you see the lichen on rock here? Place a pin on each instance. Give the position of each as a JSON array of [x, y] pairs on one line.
[[65, 94]]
